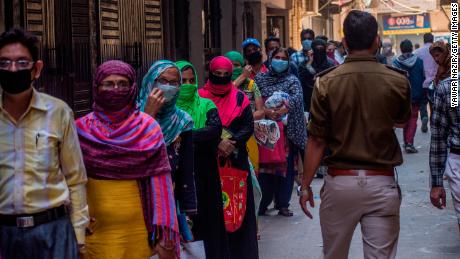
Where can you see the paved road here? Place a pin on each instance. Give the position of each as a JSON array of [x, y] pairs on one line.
[[426, 232]]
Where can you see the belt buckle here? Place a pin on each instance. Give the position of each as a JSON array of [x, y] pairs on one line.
[[25, 222]]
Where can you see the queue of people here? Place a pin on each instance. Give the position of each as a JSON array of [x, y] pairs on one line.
[[168, 163]]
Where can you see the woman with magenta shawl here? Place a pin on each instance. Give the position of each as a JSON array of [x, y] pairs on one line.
[[130, 192], [238, 126]]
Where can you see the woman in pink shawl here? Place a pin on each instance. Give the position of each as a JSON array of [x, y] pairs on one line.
[[238, 126], [130, 192]]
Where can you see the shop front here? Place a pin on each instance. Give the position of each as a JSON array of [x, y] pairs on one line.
[[411, 27]]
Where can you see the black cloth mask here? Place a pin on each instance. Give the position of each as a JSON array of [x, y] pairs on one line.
[[15, 82], [220, 80], [254, 58], [319, 53]]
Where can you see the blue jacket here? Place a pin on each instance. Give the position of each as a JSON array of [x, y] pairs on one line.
[[414, 67]]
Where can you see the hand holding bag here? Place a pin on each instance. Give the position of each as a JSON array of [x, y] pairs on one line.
[[234, 195]]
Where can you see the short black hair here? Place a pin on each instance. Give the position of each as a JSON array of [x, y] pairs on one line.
[[428, 38], [278, 50], [406, 46], [331, 42], [270, 39], [323, 37], [360, 29], [25, 38], [306, 31]]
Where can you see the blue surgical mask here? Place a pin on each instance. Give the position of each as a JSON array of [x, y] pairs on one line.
[[306, 45], [279, 65], [169, 92]]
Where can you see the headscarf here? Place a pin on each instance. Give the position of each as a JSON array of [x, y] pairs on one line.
[[271, 82], [173, 121], [444, 68], [191, 102], [236, 56], [130, 147], [320, 59], [227, 103]]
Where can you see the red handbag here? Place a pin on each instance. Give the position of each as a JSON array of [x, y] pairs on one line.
[[234, 193]]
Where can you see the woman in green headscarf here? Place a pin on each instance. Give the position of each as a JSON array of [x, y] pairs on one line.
[[208, 224]]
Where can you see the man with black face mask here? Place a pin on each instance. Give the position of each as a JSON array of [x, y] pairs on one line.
[[253, 54], [43, 209], [317, 62]]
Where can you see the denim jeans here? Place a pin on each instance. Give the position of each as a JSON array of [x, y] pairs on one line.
[[423, 107]]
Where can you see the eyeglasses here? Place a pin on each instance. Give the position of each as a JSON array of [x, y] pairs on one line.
[[22, 64], [164, 81], [115, 84]]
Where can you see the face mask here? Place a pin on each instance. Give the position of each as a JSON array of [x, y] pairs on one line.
[[15, 82], [237, 73], [279, 65], [169, 92], [115, 99], [306, 45], [187, 92], [319, 56], [254, 58], [219, 80]]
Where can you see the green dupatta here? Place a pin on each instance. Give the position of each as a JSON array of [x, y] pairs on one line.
[[190, 101]]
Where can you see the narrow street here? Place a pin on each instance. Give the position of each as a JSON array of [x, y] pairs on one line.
[[426, 232]]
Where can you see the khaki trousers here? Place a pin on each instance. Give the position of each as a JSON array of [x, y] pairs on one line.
[[372, 201], [452, 173]]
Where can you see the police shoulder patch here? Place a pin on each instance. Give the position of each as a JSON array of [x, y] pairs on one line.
[[403, 72], [325, 72]]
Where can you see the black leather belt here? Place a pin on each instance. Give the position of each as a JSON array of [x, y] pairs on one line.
[[455, 151], [31, 220]]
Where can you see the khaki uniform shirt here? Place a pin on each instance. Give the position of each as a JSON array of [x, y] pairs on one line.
[[41, 164], [354, 108]]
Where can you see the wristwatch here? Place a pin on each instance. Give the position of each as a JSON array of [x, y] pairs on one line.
[[305, 192]]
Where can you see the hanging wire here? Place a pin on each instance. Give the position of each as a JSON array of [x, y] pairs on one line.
[[398, 11]]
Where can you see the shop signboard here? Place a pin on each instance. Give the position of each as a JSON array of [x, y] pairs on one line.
[[408, 24]]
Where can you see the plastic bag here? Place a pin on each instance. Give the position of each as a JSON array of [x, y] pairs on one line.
[[267, 133], [277, 100]]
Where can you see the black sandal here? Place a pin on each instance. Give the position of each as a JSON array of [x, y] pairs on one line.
[[285, 212]]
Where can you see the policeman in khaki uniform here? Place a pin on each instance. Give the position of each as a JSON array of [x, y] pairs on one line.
[[355, 108]]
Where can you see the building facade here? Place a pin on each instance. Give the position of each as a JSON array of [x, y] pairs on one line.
[[78, 35]]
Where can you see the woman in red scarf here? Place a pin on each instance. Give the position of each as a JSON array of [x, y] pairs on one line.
[[236, 116], [130, 192]]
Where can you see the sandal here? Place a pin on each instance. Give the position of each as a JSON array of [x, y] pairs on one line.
[[285, 212]]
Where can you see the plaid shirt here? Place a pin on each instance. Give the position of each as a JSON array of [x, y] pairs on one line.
[[299, 59], [445, 131]]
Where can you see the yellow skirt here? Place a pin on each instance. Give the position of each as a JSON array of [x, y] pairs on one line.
[[119, 231], [253, 150]]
